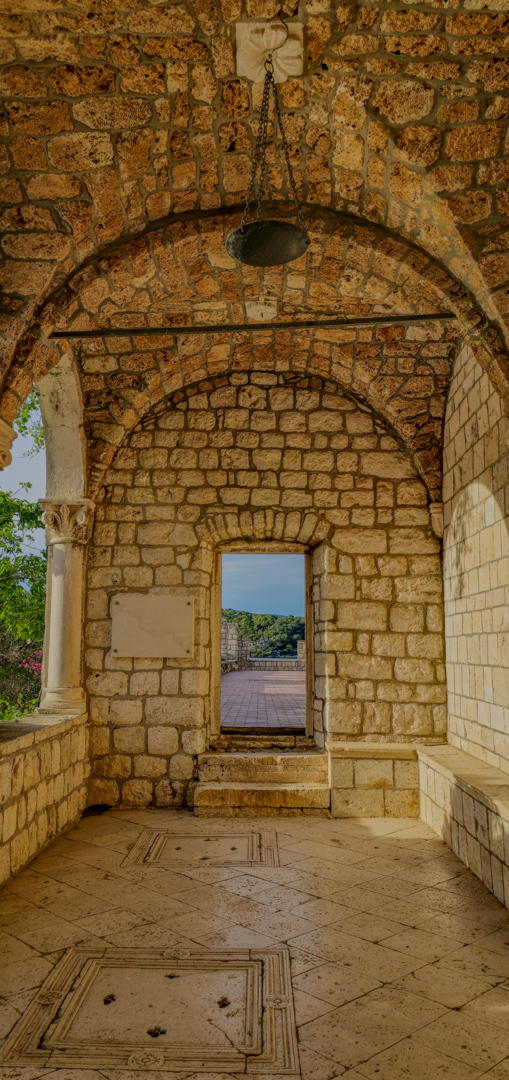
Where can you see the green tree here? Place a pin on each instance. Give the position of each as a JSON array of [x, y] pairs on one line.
[[22, 569], [272, 635]]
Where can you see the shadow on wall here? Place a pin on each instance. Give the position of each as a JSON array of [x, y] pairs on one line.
[[476, 582]]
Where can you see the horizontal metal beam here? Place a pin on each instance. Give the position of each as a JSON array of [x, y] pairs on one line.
[[236, 328]]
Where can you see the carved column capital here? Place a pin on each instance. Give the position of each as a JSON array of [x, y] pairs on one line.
[[7, 437], [67, 522]]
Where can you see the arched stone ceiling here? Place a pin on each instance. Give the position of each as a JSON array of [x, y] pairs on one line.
[[179, 273], [115, 115]]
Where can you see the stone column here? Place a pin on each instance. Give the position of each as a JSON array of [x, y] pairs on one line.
[[7, 437], [68, 529]]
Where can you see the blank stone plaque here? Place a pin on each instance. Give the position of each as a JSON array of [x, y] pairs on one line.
[[178, 1010], [152, 625]]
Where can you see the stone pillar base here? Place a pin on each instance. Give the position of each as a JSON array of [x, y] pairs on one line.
[[62, 699]]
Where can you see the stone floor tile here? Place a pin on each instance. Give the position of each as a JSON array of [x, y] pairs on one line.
[[322, 912], [498, 941], [335, 983], [281, 925], [483, 963], [8, 1017], [280, 897], [345, 875], [439, 983], [308, 1008], [110, 922], [384, 964], [315, 1067], [301, 961], [464, 930], [236, 937], [500, 1072], [333, 850], [440, 900], [24, 975], [12, 950], [423, 943], [147, 936], [406, 1060], [472, 1041], [217, 901], [194, 922], [493, 1007], [370, 927], [368, 1025], [401, 911]]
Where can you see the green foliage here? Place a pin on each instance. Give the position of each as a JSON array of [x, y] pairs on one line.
[[28, 423], [272, 635], [22, 570], [15, 710]]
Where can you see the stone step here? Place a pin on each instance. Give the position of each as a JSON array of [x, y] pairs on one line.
[[264, 768], [259, 741], [216, 796]]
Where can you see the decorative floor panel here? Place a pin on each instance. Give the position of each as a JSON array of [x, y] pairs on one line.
[[177, 1009], [176, 850]]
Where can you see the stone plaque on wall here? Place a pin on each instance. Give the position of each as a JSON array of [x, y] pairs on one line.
[[152, 625]]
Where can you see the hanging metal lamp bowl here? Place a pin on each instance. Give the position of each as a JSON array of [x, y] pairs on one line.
[[270, 242]]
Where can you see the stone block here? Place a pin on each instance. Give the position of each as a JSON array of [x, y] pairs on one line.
[[129, 740], [103, 792], [181, 767], [402, 804], [194, 742], [185, 712], [169, 793], [357, 804], [125, 713], [150, 766], [116, 766], [373, 773], [137, 793], [162, 740], [341, 773], [406, 774]]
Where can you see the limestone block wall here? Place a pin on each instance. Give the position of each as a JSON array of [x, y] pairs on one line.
[[476, 564], [274, 460], [43, 788], [370, 780]]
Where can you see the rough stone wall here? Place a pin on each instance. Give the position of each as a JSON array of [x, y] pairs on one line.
[[43, 789], [229, 640], [260, 457], [476, 564]]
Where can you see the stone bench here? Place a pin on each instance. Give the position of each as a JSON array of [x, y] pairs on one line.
[[43, 784], [466, 802]]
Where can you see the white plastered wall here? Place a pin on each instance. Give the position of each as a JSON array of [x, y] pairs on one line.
[[476, 564]]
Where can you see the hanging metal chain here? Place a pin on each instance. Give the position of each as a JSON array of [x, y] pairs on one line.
[[260, 151]]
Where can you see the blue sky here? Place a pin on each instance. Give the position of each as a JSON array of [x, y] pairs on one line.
[[264, 584]]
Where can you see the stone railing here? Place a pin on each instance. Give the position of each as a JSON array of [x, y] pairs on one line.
[[43, 784], [274, 663]]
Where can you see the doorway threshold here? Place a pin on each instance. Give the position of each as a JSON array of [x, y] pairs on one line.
[[262, 740]]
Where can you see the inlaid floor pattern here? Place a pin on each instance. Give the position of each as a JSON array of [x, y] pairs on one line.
[[399, 957]]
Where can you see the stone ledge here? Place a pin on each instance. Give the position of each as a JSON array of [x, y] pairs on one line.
[[37, 730], [485, 783], [394, 751]]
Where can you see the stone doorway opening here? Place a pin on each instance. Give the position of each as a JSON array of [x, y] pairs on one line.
[[265, 622]]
